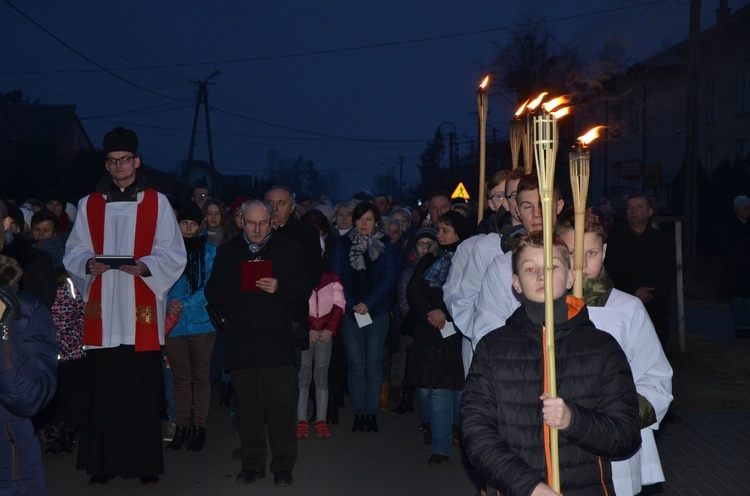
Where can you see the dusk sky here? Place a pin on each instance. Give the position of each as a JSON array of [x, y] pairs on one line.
[[349, 85]]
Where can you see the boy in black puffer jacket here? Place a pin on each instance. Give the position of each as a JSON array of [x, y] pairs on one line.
[[505, 409]]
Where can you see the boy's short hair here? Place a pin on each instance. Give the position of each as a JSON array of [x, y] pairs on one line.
[[530, 182], [536, 240], [514, 175], [592, 223]]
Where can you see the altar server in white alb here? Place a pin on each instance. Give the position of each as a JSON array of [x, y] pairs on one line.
[[125, 314], [624, 317]]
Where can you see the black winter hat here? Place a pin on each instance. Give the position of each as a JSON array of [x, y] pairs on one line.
[[190, 211], [120, 140]]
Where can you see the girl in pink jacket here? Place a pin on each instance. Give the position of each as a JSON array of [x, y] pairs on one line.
[[327, 305]]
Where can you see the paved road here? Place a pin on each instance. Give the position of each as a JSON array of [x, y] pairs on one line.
[[706, 454]]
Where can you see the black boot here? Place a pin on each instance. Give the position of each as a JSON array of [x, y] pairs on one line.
[[180, 433], [359, 423], [197, 438], [406, 405], [371, 423]]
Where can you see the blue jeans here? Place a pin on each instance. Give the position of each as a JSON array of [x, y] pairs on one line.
[[423, 404], [444, 408], [364, 352], [168, 387]]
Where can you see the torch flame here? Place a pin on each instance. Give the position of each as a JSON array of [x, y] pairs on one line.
[[520, 110], [485, 82], [555, 102], [535, 103], [590, 136], [560, 113]]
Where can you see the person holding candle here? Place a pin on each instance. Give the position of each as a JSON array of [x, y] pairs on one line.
[[506, 412], [625, 318], [367, 263]]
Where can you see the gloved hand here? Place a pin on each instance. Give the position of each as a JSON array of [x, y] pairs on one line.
[[646, 412]]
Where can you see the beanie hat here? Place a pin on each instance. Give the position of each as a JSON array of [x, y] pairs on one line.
[[120, 140], [237, 203], [459, 222], [190, 211], [741, 201], [426, 232]]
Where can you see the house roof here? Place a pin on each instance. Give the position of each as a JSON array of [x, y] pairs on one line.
[[38, 122]]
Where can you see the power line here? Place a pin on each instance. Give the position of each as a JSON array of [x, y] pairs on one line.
[[337, 50], [96, 64]]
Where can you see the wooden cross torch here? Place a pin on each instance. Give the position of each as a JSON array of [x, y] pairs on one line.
[[545, 147], [482, 113], [580, 172]]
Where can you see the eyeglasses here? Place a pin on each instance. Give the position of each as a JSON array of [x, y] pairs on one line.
[[497, 198], [197, 195], [251, 224], [122, 160], [424, 244]]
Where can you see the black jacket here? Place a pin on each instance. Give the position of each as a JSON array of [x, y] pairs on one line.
[[259, 329], [308, 239], [501, 414], [435, 362]]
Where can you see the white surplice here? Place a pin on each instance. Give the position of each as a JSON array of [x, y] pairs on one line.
[[166, 264]]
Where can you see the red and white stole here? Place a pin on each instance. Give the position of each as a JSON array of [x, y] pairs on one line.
[[146, 323]]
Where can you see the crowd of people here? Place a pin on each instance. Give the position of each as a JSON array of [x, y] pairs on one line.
[[279, 303]]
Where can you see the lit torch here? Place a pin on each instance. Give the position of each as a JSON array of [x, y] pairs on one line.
[[580, 168], [482, 113], [516, 134], [528, 135], [545, 147]]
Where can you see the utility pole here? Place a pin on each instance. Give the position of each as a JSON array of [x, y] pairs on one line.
[[690, 163], [202, 98]]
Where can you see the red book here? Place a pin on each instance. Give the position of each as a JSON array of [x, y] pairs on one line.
[[172, 319], [252, 271]]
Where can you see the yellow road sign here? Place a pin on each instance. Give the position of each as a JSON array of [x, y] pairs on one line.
[[460, 192]]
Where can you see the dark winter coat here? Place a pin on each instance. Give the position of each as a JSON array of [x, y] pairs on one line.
[[28, 378], [259, 330], [435, 362], [372, 286], [501, 414]]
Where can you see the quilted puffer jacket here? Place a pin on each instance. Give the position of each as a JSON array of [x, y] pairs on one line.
[[501, 414], [28, 378]]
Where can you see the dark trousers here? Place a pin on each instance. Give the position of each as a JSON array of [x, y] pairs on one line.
[[120, 425], [272, 388], [190, 358]]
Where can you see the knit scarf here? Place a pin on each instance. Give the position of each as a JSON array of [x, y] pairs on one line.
[[361, 244], [437, 273], [535, 310], [195, 270], [596, 290]]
